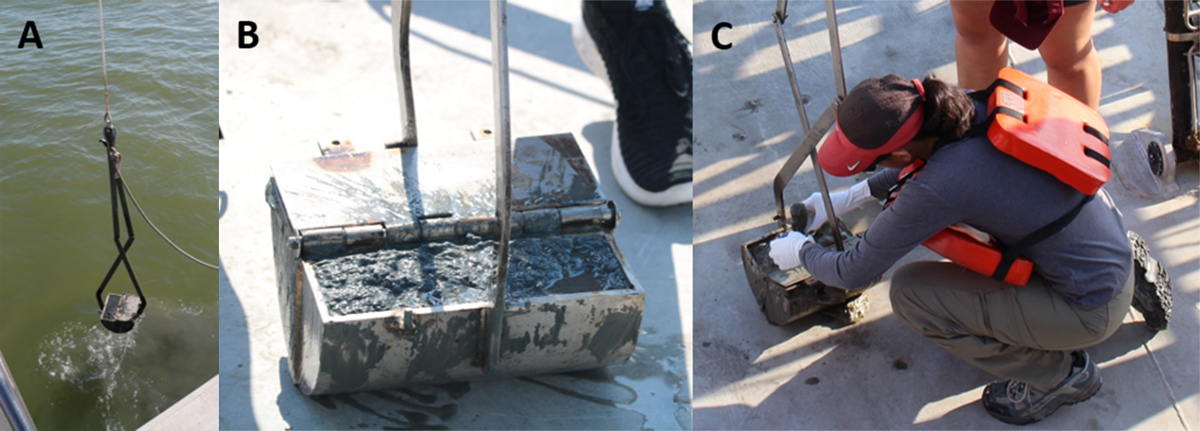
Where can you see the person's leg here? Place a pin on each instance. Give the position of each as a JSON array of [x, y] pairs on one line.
[[980, 51], [1019, 333], [1072, 64]]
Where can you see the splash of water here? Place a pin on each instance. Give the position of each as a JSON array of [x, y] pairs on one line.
[[88, 359]]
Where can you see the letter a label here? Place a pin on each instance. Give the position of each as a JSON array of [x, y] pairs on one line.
[[30, 27]]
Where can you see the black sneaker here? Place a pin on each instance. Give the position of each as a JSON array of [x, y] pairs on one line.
[[646, 61], [1020, 404]]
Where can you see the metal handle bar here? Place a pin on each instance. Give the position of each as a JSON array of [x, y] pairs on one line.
[[808, 146], [502, 134]]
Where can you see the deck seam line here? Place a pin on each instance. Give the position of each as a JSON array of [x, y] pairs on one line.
[[1170, 392]]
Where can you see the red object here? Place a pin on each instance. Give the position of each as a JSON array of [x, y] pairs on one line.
[[1053, 134], [1026, 22], [883, 113], [1045, 128], [841, 158], [967, 251]]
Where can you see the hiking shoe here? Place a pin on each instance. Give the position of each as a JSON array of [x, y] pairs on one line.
[[636, 48], [1151, 286], [1019, 404]]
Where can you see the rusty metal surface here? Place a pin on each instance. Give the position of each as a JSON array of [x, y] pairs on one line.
[[287, 275], [455, 181], [543, 334], [551, 171]]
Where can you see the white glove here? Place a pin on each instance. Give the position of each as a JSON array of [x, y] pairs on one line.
[[842, 201], [785, 250]]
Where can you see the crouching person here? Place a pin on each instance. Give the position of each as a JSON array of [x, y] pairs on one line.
[[1032, 336]]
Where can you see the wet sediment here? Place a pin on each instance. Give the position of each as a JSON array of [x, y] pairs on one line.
[[460, 272]]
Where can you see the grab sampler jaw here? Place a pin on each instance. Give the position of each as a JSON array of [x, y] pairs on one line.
[[786, 296], [120, 312], [405, 207], [360, 203]]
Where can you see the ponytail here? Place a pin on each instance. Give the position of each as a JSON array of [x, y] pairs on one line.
[[948, 110]]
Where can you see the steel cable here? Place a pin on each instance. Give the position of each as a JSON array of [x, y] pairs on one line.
[[164, 236], [103, 60], [108, 119]]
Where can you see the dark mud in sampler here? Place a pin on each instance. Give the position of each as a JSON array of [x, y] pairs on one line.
[[460, 272]]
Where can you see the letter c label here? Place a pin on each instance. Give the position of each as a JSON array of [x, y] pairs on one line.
[[716, 40]]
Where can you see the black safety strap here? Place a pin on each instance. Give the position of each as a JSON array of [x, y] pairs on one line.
[[981, 128], [1099, 157], [1092, 131], [1016, 250], [983, 95], [1092, 153], [894, 190]]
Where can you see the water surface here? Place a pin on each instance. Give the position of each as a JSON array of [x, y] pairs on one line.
[[55, 224]]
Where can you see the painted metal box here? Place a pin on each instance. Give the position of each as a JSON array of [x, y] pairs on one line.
[[395, 211]]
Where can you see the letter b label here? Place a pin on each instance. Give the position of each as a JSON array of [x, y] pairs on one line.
[[246, 29]]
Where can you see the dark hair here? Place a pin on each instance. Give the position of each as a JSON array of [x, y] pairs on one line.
[[948, 110]]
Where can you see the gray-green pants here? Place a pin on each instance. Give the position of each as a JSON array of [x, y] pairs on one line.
[[1019, 333]]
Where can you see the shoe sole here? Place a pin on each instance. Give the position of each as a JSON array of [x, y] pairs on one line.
[[1152, 296], [1088, 392], [674, 195]]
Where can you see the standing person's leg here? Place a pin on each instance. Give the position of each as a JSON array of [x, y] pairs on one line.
[[1024, 334], [980, 51], [636, 47], [1072, 64]]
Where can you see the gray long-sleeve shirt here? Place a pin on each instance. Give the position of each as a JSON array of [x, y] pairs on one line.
[[972, 182]]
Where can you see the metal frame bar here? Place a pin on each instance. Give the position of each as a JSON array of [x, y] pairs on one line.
[[16, 415], [116, 187], [835, 48], [401, 17], [808, 146], [502, 134], [1182, 41], [1190, 14]]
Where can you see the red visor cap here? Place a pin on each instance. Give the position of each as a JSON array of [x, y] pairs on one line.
[[866, 110]]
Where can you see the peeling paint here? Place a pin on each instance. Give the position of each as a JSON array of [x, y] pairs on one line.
[[437, 350], [347, 354], [508, 344], [551, 338], [618, 328], [581, 306]]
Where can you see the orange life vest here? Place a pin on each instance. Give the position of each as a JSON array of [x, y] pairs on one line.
[[1044, 128], [1049, 130]]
